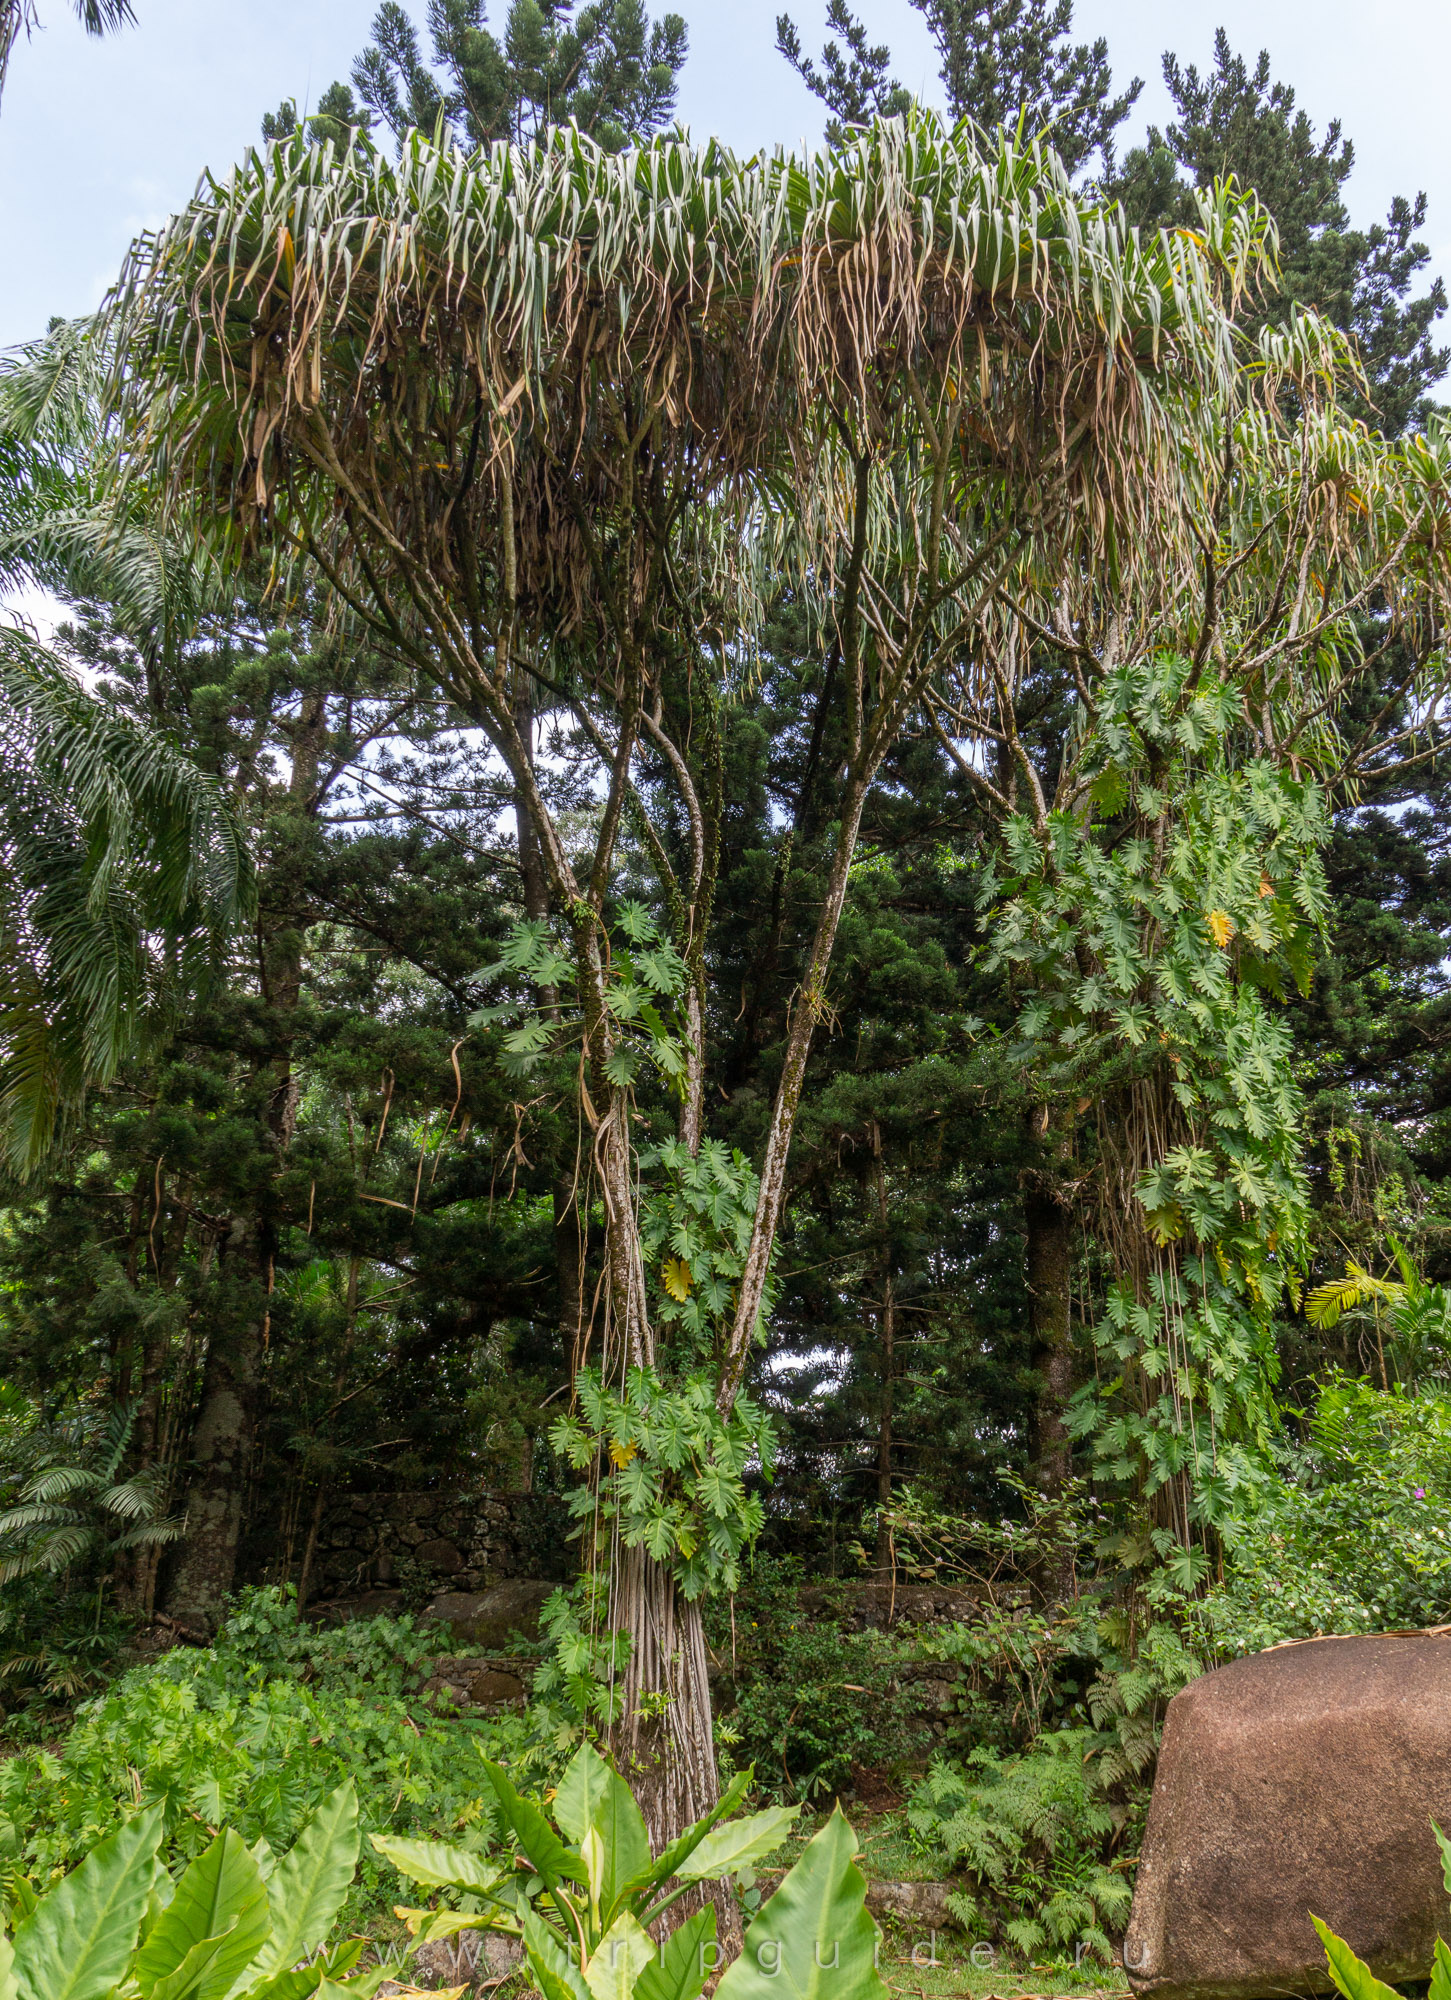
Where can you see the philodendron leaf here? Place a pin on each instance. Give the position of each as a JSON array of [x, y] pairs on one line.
[[541, 1844], [685, 1961], [672, 1858], [579, 1792], [1440, 1988], [213, 1927], [555, 1971], [296, 1983], [1351, 1974], [309, 1884], [8, 1989], [77, 1941], [740, 1843], [814, 1939], [206, 1969], [617, 1961], [434, 1864]]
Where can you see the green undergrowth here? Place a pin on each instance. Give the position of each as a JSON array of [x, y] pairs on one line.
[[253, 1733]]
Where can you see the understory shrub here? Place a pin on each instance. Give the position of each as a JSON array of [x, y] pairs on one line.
[[252, 1733], [1031, 1832], [807, 1698], [1351, 1534]]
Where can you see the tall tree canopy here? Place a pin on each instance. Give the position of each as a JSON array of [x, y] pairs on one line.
[[554, 487]]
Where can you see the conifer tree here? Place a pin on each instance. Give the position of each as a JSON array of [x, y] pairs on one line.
[[1234, 119], [1001, 61], [609, 68]]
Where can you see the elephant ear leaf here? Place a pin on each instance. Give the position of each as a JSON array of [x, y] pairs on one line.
[[1440, 1988], [434, 1864], [672, 1858], [580, 1791], [740, 1843], [308, 1885], [211, 1930], [77, 1941], [1352, 1975], [555, 1972], [542, 1845], [682, 1968], [814, 1939]]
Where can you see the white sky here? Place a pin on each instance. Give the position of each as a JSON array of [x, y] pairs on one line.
[[99, 139]]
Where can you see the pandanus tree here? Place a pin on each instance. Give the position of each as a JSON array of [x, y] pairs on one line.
[[549, 421]]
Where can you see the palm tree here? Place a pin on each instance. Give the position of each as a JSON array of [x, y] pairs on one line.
[[69, 1502], [122, 868], [121, 871], [97, 17]]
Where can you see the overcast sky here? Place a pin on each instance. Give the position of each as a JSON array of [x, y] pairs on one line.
[[100, 139]]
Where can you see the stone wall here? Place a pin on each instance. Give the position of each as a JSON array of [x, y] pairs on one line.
[[446, 1541]]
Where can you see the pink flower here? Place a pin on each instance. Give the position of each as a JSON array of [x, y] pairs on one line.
[[1420, 1493]]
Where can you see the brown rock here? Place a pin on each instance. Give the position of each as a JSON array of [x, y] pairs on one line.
[[923, 1904], [488, 1618], [1304, 1778], [491, 1686], [440, 1556], [473, 1956]]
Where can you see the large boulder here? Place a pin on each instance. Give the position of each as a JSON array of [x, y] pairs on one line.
[[1305, 1778]]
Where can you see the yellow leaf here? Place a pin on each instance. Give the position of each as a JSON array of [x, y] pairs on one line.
[[1221, 927], [677, 1278], [621, 1454], [1267, 887]]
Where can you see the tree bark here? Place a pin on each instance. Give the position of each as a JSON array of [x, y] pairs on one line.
[[1048, 1225], [806, 1011], [221, 1447], [887, 1322], [222, 1440]]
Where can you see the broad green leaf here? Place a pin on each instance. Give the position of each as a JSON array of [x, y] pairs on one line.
[[541, 1844], [295, 1982], [310, 1883], [205, 1969], [1445, 1846], [1440, 1988], [555, 1970], [213, 1927], [622, 1953], [8, 1988], [739, 1843], [1351, 1974], [579, 1792], [593, 1798], [672, 1858], [685, 1962], [76, 1943], [815, 1931], [426, 1925], [434, 1864]]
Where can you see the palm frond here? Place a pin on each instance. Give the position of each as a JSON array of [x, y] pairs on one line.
[[124, 868]]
